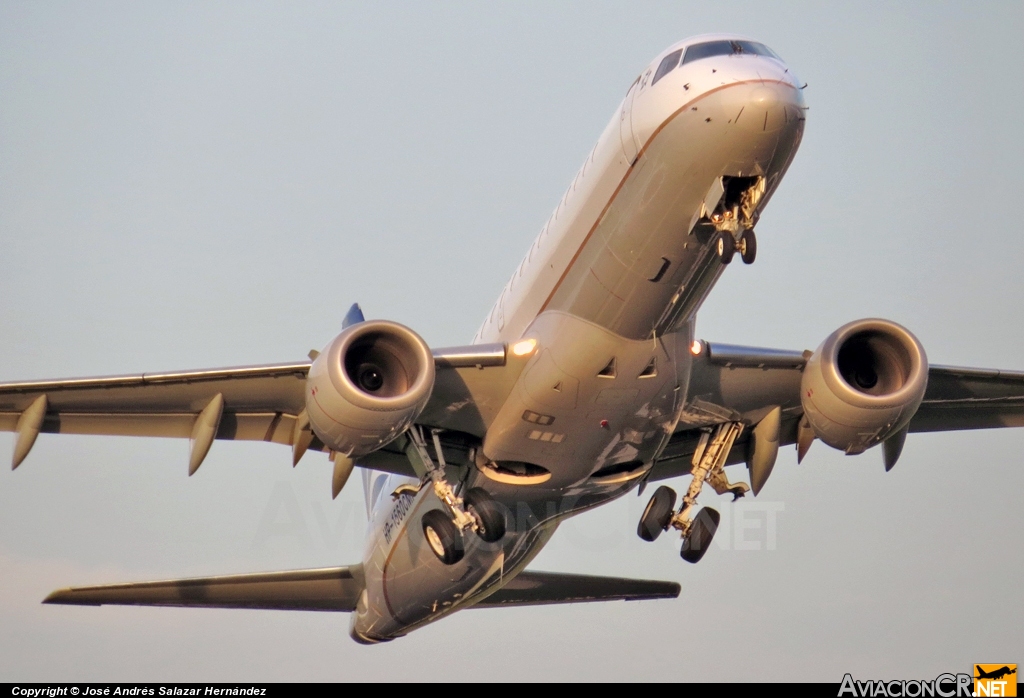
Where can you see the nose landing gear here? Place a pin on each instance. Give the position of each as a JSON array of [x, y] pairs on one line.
[[698, 530], [748, 246], [727, 246], [733, 215], [444, 529]]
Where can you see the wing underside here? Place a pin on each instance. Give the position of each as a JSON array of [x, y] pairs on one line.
[[743, 383], [254, 403], [338, 589], [265, 403]]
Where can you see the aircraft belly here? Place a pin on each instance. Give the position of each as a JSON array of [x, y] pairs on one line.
[[592, 407], [407, 586]]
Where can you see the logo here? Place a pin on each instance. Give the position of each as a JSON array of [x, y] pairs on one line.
[[943, 686], [995, 680]]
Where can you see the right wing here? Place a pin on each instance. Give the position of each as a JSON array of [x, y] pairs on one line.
[[255, 403], [261, 403]]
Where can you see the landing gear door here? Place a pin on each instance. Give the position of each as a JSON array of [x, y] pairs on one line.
[[629, 145]]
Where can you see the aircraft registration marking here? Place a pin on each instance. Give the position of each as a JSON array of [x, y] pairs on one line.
[[398, 513]]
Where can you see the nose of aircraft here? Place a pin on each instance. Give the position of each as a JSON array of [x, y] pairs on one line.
[[763, 106], [753, 93]]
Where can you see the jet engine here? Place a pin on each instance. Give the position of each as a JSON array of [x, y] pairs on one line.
[[368, 385], [863, 384]]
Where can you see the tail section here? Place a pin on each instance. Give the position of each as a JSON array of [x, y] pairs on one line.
[[327, 589], [374, 483]]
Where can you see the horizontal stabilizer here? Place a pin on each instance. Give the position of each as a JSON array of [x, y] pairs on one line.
[[338, 589], [538, 588], [327, 589]]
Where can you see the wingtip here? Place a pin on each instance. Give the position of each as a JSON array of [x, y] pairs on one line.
[[66, 597]]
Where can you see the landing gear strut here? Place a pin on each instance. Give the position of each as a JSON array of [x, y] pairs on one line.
[[478, 511], [708, 466]]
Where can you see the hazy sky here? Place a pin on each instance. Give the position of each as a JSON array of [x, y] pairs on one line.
[[191, 185]]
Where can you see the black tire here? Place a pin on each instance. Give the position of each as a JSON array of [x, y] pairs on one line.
[[726, 246], [489, 513], [705, 523], [657, 515], [443, 537], [749, 245]]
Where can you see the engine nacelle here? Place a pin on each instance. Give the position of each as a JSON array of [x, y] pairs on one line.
[[863, 384], [368, 385]]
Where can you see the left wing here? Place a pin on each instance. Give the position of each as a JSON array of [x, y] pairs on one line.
[[743, 383], [970, 398]]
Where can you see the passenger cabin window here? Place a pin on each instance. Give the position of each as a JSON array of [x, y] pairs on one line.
[[668, 64], [726, 48]]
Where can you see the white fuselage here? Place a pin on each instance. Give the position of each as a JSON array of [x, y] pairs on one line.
[[608, 291]]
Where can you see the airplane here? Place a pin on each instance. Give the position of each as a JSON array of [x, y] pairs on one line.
[[586, 381], [995, 674]]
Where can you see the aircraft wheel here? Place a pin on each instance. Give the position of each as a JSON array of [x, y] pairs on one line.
[[658, 513], [726, 246], [489, 513], [443, 536], [703, 530], [748, 242]]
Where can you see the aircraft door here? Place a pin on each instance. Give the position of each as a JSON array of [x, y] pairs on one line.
[[629, 145]]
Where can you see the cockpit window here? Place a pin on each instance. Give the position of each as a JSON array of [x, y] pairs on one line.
[[668, 64], [726, 48]]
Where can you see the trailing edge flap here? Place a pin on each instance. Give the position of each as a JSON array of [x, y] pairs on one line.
[[338, 589], [537, 588], [327, 589]]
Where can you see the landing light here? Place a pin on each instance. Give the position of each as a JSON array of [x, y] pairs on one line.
[[524, 347], [696, 347]]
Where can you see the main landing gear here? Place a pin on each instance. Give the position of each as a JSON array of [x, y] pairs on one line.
[[477, 511], [697, 530]]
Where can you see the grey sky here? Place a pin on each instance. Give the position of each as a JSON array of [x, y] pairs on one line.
[[197, 185]]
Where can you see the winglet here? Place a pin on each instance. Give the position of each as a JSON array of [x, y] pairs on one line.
[[353, 317]]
